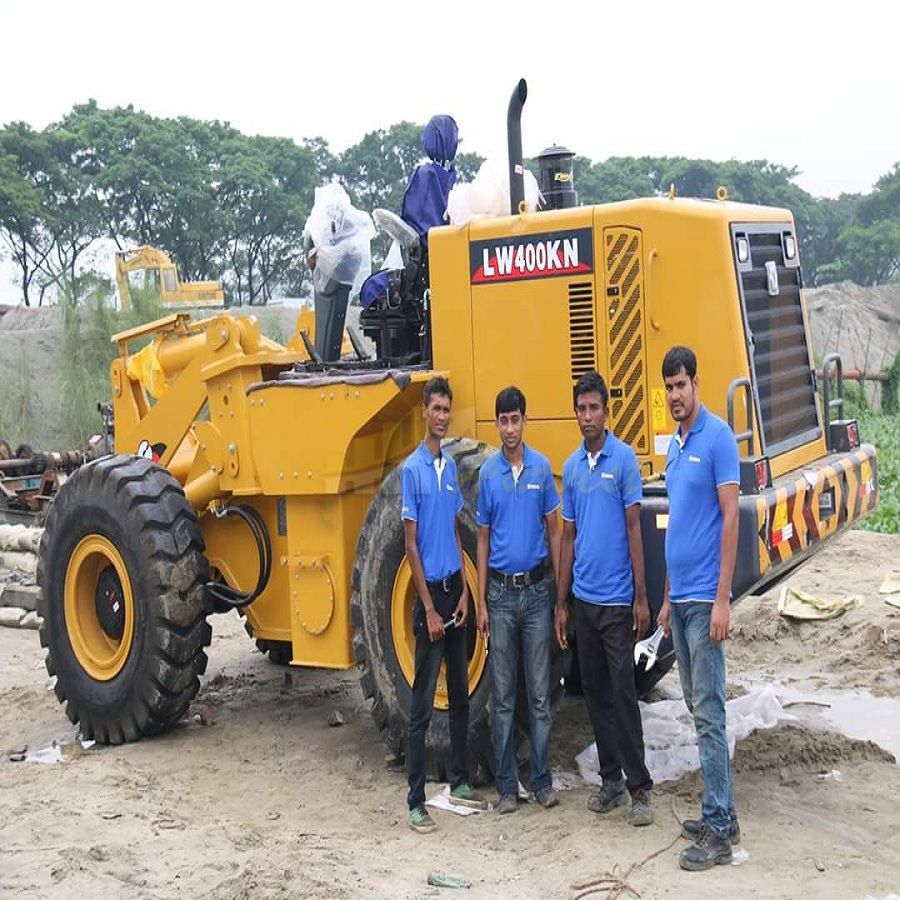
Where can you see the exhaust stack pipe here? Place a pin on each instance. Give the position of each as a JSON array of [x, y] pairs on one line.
[[514, 144]]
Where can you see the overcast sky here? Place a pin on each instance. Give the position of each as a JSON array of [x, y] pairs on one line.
[[802, 84], [807, 85]]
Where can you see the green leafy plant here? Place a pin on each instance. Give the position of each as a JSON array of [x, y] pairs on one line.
[[884, 432], [890, 388]]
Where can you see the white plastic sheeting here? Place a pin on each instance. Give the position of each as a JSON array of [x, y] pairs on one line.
[[488, 194], [340, 234], [670, 741]]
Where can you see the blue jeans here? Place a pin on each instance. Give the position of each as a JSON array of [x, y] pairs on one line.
[[701, 666], [520, 616]]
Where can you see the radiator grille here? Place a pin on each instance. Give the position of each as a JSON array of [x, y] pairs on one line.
[[625, 337], [776, 338], [582, 342]]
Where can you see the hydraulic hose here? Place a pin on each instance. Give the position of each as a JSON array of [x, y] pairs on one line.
[[226, 594]]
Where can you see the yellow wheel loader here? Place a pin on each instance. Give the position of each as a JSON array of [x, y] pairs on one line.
[[161, 277], [256, 477]]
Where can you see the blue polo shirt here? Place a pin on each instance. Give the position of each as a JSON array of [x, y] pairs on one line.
[[515, 510], [595, 498], [696, 467], [432, 501]]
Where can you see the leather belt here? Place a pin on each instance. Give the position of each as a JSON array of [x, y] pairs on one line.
[[443, 584], [519, 580]]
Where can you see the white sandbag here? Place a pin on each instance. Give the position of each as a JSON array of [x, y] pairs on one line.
[[18, 561], [20, 537], [670, 740]]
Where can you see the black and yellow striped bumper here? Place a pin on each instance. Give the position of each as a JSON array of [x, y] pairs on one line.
[[785, 523], [779, 527]]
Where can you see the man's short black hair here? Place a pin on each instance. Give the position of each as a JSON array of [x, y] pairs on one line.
[[510, 399], [437, 385], [588, 383], [677, 358]]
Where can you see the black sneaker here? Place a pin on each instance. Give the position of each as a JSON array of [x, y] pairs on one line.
[[611, 795], [690, 828], [707, 851]]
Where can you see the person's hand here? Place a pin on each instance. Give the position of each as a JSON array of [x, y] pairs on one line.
[[663, 619], [562, 625], [718, 621], [483, 621], [641, 615], [461, 613], [435, 625]]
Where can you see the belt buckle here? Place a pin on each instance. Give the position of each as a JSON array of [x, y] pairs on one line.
[[520, 580], [445, 584]]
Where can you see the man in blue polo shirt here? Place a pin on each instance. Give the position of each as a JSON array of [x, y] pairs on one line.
[[702, 478], [602, 537], [517, 500], [431, 502]]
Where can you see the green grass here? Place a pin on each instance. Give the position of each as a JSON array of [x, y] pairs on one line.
[[86, 351], [884, 432], [18, 416]]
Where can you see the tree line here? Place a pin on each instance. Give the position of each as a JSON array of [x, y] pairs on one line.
[[232, 207]]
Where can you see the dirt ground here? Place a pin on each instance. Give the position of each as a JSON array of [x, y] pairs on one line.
[[256, 796]]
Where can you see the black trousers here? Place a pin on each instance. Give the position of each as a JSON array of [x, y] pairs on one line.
[[606, 657], [428, 665]]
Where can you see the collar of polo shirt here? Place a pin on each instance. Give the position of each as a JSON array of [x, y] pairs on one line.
[[593, 457], [527, 460], [697, 427]]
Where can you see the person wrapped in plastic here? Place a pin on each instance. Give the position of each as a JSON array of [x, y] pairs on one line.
[[336, 237]]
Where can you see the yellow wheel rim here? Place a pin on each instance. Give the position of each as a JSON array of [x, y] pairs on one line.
[[91, 603], [403, 597]]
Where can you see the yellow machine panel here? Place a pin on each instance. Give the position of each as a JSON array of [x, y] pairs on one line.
[[625, 340], [552, 295]]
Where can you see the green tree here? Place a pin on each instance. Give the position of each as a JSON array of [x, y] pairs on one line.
[[157, 180], [24, 161], [376, 170], [72, 208], [266, 193], [617, 178], [867, 250]]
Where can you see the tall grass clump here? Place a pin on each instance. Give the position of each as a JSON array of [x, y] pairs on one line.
[[86, 351], [18, 415]]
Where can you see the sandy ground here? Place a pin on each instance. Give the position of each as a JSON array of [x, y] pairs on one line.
[[256, 796]]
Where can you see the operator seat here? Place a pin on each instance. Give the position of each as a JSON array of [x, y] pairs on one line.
[[393, 300], [425, 201]]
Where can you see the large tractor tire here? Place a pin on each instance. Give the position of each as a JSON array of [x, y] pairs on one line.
[[122, 573], [384, 643]]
